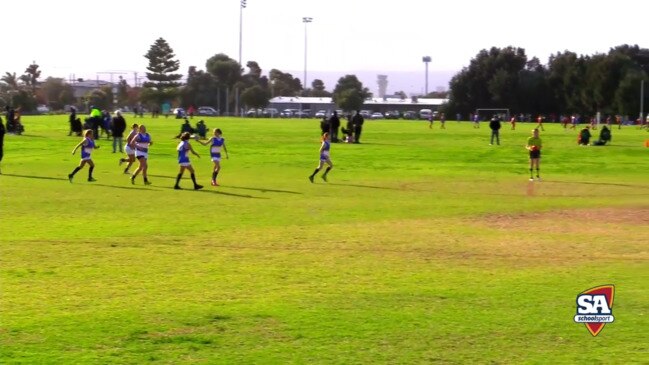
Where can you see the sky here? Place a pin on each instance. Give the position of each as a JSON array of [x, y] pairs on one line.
[[89, 39]]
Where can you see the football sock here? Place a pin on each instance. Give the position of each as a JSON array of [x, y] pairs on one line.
[[76, 169], [327, 170], [90, 172], [214, 173], [178, 179], [315, 172], [537, 173], [531, 174], [194, 179]]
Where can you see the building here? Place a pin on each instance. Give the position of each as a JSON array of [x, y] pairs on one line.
[[381, 105]]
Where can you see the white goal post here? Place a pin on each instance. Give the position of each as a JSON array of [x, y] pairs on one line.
[[488, 112]]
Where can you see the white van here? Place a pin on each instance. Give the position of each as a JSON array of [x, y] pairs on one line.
[[425, 114]]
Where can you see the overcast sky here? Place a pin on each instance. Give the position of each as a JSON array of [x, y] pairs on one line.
[[364, 37]]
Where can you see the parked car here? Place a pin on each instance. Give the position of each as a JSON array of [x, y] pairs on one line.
[[367, 114], [392, 114], [410, 115], [425, 114], [270, 113], [287, 113], [321, 114], [377, 115], [254, 113], [43, 109], [304, 113], [206, 110]]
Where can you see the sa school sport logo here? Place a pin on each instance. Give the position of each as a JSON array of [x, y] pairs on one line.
[[595, 308]]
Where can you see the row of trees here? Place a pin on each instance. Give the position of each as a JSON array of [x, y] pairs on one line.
[[224, 79], [498, 78], [570, 83]]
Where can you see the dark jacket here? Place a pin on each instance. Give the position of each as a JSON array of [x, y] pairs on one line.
[[358, 120], [119, 126], [494, 124]]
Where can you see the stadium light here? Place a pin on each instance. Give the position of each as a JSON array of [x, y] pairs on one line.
[[243, 5], [426, 60], [306, 20]]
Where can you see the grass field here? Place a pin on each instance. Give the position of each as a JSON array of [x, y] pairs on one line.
[[426, 246]]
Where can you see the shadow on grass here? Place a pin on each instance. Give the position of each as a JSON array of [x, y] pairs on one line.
[[207, 191], [36, 177], [263, 190], [364, 186]]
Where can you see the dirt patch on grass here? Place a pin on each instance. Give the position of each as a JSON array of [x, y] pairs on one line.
[[573, 219]]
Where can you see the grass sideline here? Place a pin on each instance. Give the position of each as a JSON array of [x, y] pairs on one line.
[[425, 246]]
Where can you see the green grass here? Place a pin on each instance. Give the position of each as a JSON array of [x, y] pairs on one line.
[[426, 246]]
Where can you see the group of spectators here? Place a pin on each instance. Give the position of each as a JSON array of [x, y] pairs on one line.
[[350, 134], [110, 125], [200, 129]]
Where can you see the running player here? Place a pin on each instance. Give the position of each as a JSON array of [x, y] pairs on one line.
[[324, 158], [87, 144], [534, 145], [217, 142], [141, 143], [130, 153], [184, 148]]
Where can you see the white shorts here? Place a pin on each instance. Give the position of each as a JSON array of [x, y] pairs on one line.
[[139, 154], [216, 159], [128, 150], [86, 158], [185, 164]]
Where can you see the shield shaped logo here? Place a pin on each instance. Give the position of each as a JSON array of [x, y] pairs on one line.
[[595, 308]]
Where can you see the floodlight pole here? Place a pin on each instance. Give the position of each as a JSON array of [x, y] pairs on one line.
[[236, 99], [426, 60], [306, 20]]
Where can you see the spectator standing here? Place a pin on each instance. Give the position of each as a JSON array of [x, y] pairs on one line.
[[358, 121], [119, 126], [334, 126], [73, 118], [494, 124]]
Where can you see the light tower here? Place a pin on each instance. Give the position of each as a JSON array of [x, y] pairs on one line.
[[382, 81], [306, 20], [426, 60]]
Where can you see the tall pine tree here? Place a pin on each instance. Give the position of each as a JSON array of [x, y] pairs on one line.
[[163, 84]]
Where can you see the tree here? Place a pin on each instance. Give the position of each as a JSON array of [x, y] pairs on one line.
[[284, 84], [350, 94], [201, 88], [100, 98], [52, 89], [255, 97], [227, 72], [32, 73], [163, 82], [318, 89], [10, 80], [122, 92]]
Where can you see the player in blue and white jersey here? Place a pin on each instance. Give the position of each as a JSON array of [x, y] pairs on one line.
[[87, 145], [325, 148], [184, 148], [216, 142], [140, 144], [130, 153]]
